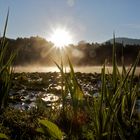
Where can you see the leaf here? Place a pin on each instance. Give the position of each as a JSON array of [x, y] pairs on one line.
[[40, 130], [3, 136], [79, 94], [51, 128]]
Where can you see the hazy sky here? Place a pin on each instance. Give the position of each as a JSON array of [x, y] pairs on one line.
[[89, 20]]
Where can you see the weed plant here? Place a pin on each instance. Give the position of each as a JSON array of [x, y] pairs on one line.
[[111, 115], [5, 69]]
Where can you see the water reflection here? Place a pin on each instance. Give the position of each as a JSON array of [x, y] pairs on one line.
[[29, 87]]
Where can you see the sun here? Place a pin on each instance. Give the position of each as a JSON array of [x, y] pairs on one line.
[[61, 37]]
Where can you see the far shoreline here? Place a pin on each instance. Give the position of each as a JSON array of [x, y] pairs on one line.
[[82, 69]]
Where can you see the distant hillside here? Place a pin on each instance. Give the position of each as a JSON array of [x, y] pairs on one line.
[[126, 41]]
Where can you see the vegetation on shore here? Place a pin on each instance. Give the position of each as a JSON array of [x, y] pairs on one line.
[[39, 51]]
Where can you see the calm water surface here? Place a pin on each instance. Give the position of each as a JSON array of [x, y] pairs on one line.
[[29, 97], [86, 69]]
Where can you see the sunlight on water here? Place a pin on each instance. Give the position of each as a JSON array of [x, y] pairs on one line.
[[86, 69], [35, 69]]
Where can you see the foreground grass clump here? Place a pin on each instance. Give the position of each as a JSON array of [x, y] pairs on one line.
[[5, 69], [111, 115], [5, 73]]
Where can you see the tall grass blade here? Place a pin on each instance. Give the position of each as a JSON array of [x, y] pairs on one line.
[[5, 68]]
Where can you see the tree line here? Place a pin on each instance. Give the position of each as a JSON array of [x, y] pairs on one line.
[[38, 51]]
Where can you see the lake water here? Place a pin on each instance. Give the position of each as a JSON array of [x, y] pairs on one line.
[[28, 97], [86, 69]]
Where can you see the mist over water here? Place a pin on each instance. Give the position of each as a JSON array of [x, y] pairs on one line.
[[82, 69]]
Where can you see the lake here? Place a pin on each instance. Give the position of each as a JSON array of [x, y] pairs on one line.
[[46, 84], [86, 69]]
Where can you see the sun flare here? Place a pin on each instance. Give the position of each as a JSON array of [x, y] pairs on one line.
[[61, 37]]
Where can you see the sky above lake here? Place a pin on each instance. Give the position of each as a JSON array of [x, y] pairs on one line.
[[88, 20]]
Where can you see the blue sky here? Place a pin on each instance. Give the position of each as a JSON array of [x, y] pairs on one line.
[[89, 20]]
